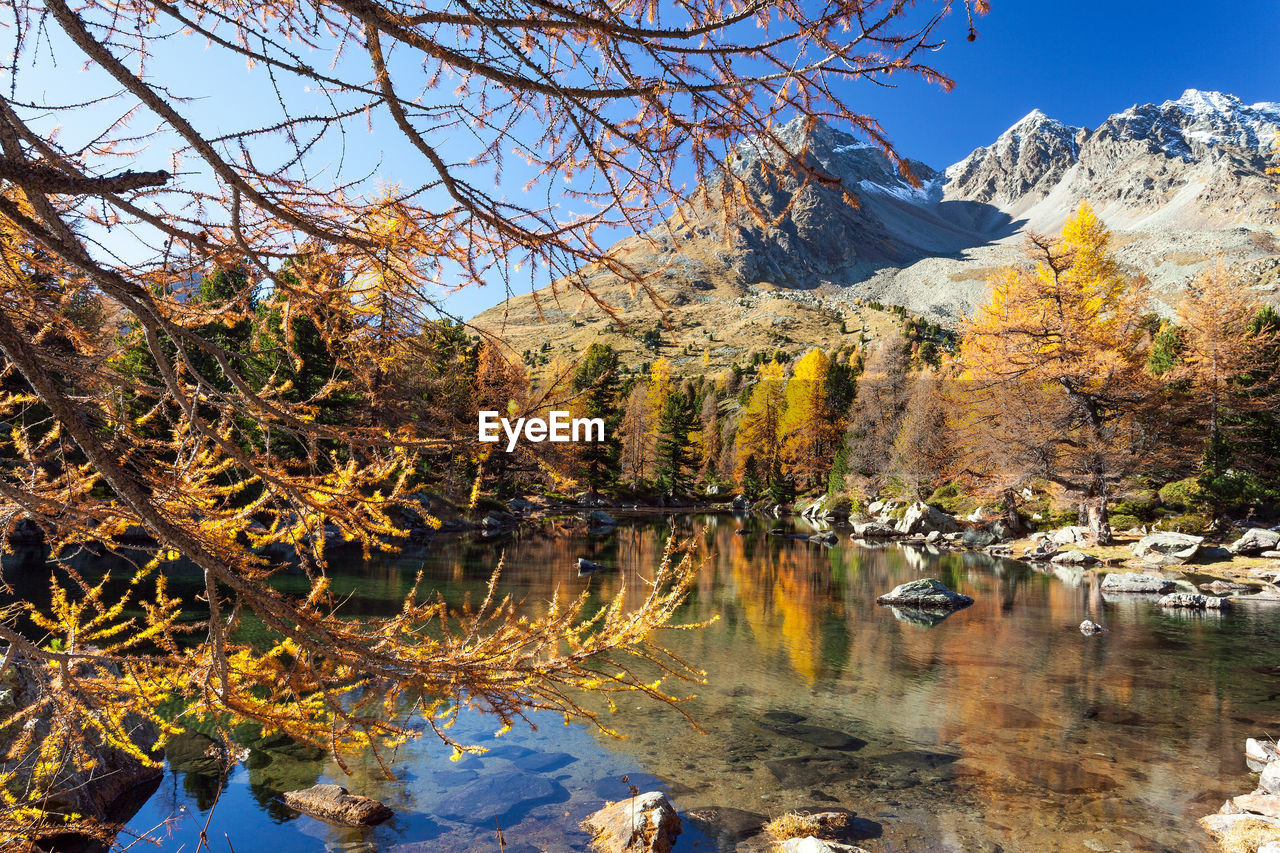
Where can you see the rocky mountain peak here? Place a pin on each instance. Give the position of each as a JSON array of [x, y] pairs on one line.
[[1028, 159]]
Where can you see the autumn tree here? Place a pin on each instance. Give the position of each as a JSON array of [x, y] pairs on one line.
[[883, 391], [759, 441], [1055, 370], [812, 423], [609, 109], [637, 436], [1225, 365]]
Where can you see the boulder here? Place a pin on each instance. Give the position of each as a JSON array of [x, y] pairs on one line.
[[740, 502], [712, 490], [1090, 628], [520, 506], [645, 823], [1135, 583], [586, 567], [1074, 535], [599, 521], [1168, 549], [1224, 587], [1263, 804], [1195, 601], [925, 594], [587, 499], [873, 530], [826, 537], [1260, 753], [811, 844], [1255, 541], [335, 804], [920, 518], [1074, 558], [978, 537], [1270, 779], [1218, 825]]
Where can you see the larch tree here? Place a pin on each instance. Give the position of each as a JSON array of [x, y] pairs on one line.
[[1066, 335], [146, 181], [1225, 368], [809, 428], [636, 432], [759, 442]]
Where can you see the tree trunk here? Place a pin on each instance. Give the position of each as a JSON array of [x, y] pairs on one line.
[[1095, 512], [1011, 519]]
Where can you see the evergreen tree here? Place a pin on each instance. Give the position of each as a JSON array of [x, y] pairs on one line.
[[676, 421], [596, 382]]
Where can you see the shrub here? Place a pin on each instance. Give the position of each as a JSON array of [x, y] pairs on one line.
[[1185, 494], [1140, 505], [1188, 522], [1123, 521]]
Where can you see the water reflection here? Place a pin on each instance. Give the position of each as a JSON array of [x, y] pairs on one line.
[[998, 728]]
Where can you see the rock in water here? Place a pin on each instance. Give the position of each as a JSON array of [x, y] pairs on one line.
[[1090, 628], [1132, 582], [1193, 601], [925, 594], [334, 803], [1255, 541], [645, 823], [874, 530], [1167, 549], [741, 502], [827, 537], [586, 567]]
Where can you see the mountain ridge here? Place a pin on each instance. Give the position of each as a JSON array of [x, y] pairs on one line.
[[1182, 183]]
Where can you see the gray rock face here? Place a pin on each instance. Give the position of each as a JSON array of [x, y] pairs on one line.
[[1074, 558], [1255, 541], [1270, 779], [1073, 535], [873, 530], [1134, 583], [1028, 159], [1167, 549], [646, 823], [925, 594], [1192, 601], [334, 803], [920, 519]]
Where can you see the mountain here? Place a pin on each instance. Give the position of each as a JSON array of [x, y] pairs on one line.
[[1182, 184]]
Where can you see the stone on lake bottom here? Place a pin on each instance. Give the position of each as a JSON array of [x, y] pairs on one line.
[[645, 823], [334, 803], [497, 795]]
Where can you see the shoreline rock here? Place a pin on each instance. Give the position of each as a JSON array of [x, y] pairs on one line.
[[645, 823]]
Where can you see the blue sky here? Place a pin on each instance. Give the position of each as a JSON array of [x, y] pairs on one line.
[[1078, 62]]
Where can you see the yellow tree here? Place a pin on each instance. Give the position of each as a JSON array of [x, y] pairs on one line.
[[808, 426], [759, 441], [1225, 366], [1066, 336]]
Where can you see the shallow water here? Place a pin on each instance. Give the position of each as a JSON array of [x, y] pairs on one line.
[[1000, 728]]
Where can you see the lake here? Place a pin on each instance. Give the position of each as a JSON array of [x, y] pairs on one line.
[[1000, 728]]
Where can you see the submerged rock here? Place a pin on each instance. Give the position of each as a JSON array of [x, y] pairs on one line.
[[599, 521], [1138, 584], [495, 795], [925, 594], [645, 823], [1194, 601], [334, 803], [1090, 628]]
